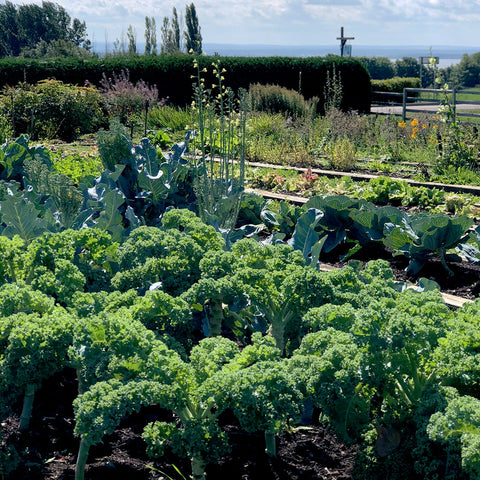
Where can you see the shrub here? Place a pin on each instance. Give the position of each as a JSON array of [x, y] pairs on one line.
[[6, 131], [345, 124], [277, 99], [174, 72], [342, 154], [124, 98], [53, 109], [395, 84], [172, 118], [378, 67]]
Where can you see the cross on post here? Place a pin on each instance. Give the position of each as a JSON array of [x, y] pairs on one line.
[[343, 41]]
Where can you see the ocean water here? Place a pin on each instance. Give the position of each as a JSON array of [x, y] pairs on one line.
[[448, 55]]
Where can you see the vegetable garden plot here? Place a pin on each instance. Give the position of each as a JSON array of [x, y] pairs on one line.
[[193, 338]]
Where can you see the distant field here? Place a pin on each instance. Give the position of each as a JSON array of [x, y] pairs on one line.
[[469, 97]]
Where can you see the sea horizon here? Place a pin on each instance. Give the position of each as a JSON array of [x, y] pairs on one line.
[[448, 54]]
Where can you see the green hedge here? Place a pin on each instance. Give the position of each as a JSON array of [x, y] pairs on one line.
[[395, 84], [173, 74]]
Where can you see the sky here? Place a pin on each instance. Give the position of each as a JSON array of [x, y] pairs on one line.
[[292, 22]]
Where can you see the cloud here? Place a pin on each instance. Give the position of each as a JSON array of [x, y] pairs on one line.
[[240, 21]]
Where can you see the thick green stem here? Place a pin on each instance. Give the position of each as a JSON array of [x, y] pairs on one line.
[[216, 317], [27, 407], [270, 444], [277, 330], [443, 261], [82, 459], [81, 384], [198, 468]]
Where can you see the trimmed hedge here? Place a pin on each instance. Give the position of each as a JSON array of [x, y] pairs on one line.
[[173, 74], [395, 84]]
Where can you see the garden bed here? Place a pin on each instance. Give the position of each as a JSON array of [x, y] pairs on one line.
[[464, 283], [49, 449], [366, 175]]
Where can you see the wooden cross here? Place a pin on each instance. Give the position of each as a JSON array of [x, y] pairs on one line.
[[343, 41]]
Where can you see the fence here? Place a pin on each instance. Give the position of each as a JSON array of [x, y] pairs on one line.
[[402, 103]]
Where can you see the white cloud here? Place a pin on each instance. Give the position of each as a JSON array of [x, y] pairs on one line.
[[299, 21]]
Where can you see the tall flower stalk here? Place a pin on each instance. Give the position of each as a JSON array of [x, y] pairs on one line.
[[220, 149]]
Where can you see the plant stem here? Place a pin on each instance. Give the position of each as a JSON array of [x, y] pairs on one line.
[[270, 444], [82, 459], [277, 330], [198, 468], [216, 317], [26, 414]]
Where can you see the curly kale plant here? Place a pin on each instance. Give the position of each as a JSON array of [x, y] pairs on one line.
[[169, 255], [459, 425], [266, 287], [33, 348]]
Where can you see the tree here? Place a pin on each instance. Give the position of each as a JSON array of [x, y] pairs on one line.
[[55, 48], [150, 36], [407, 67], [171, 34], [132, 40], [467, 72], [175, 29], [9, 36], [78, 34], [25, 26], [379, 68], [193, 37]]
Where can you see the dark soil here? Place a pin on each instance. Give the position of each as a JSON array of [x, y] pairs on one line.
[[48, 451]]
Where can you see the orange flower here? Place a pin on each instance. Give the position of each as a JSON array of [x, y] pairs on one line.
[[414, 122], [402, 124]]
